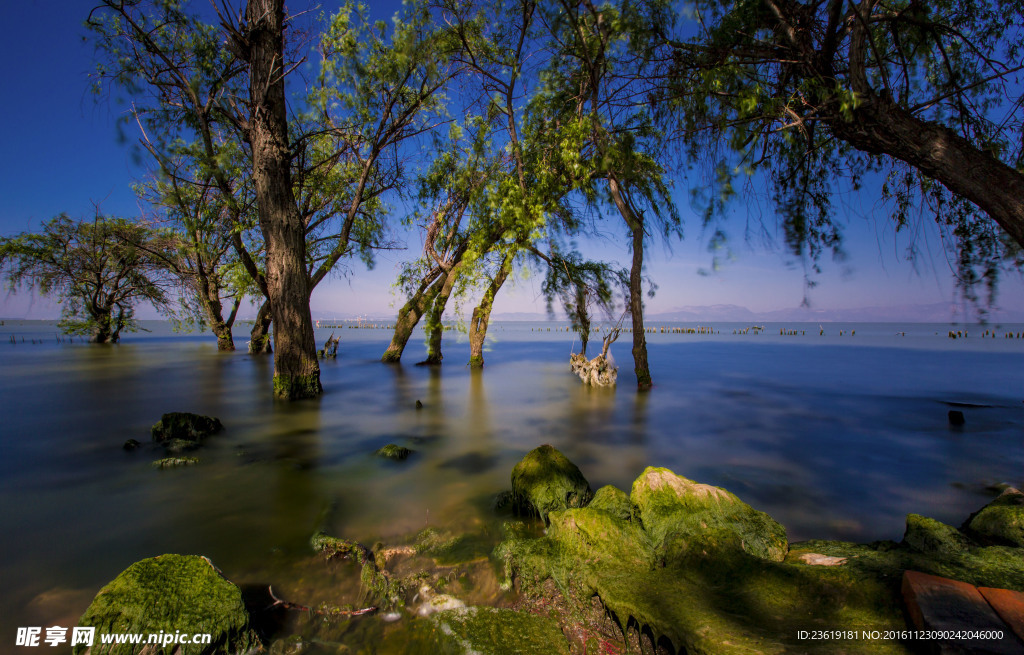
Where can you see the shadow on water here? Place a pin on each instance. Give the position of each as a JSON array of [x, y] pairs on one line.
[[832, 440]]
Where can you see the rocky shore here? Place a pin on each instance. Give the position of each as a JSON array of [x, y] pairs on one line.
[[670, 566]]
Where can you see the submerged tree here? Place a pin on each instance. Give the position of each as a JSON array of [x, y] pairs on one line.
[[317, 171], [94, 268], [595, 94], [925, 96]]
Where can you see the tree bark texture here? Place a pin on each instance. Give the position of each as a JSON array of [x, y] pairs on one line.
[[482, 313], [636, 301], [881, 127], [435, 327], [409, 315], [296, 369]]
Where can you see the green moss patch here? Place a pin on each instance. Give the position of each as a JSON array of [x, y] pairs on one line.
[[175, 462], [172, 593], [614, 501], [545, 481], [1001, 521], [489, 630]]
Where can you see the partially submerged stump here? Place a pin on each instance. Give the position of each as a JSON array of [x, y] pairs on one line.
[[173, 594], [597, 372], [600, 371], [330, 350]]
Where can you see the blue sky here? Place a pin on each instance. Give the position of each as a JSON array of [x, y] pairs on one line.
[[61, 153]]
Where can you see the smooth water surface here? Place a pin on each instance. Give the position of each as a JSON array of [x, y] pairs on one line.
[[834, 436]]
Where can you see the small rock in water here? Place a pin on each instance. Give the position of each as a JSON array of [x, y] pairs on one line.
[[433, 603], [419, 404], [956, 417], [131, 444], [393, 451]]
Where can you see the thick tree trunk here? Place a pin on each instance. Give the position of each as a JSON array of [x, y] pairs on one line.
[[259, 337], [296, 369], [482, 314], [101, 330], [435, 327], [880, 126], [636, 300], [408, 316]]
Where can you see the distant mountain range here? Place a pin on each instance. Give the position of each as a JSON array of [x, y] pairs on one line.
[[930, 313]]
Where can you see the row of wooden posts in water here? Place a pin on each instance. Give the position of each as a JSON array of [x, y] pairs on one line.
[[700, 330]]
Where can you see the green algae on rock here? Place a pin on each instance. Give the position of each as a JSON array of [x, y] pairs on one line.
[[545, 481], [186, 426], [493, 631], [1001, 521], [393, 451], [171, 594], [614, 501], [930, 536], [684, 516]]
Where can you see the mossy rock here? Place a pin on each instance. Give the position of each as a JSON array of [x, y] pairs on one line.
[[186, 426], [494, 631], [393, 451], [600, 536], [683, 517], [614, 501], [1001, 521], [933, 537], [545, 481], [173, 593]]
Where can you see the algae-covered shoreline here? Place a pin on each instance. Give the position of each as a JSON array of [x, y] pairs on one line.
[[833, 441], [674, 566]]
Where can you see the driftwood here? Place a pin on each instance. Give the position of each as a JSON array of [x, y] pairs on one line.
[[334, 611], [599, 371]]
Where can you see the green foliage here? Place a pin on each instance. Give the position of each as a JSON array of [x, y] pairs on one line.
[[783, 93], [99, 271]]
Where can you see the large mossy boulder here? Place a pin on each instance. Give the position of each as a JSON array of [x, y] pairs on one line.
[[545, 481], [173, 593], [185, 426], [688, 518], [1001, 521]]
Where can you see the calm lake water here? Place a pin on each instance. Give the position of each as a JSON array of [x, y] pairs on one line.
[[835, 436]]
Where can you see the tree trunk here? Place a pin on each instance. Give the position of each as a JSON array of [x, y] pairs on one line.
[[636, 311], [215, 315], [881, 127], [435, 327], [259, 338], [636, 300], [408, 316], [482, 314], [296, 369]]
